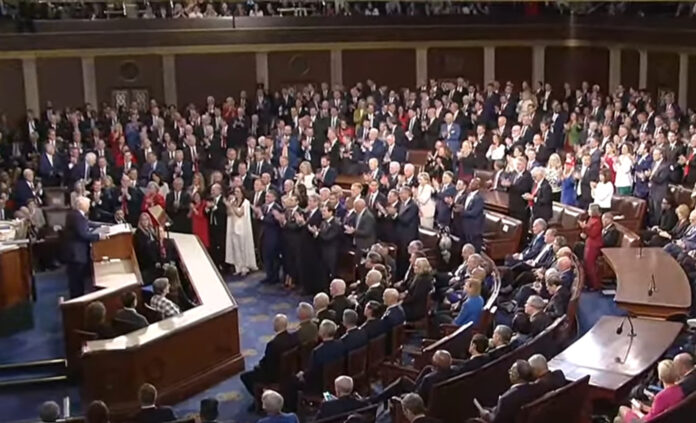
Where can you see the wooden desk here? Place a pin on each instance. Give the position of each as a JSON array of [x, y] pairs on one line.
[[634, 268], [181, 355], [15, 289], [112, 279], [595, 354]]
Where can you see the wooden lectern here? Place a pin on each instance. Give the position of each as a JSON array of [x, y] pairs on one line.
[[158, 216]]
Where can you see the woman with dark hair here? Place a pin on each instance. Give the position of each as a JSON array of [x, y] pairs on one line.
[[146, 243], [95, 320], [592, 232], [199, 221], [97, 412]]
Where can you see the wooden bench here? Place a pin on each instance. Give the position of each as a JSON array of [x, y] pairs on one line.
[[564, 404], [683, 412]]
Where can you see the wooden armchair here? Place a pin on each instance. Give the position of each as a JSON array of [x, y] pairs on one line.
[[152, 315], [356, 367], [289, 367], [369, 413], [376, 354], [309, 401], [565, 404]]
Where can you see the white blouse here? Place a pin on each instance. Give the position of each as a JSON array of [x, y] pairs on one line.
[[602, 194]]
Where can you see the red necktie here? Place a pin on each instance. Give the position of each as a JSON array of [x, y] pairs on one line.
[[534, 191]]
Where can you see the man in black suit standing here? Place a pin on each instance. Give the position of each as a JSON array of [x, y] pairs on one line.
[[77, 248], [472, 218], [177, 207], [217, 217], [270, 216], [329, 235], [128, 316], [268, 368], [345, 400], [407, 222], [540, 198], [659, 180], [520, 393], [149, 411], [518, 184]]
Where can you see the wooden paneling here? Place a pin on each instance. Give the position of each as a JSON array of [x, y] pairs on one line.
[[298, 67], [663, 71], [135, 72], [630, 68], [513, 64], [576, 64], [12, 89], [449, 63], [393, 67], [691, 92], [60, 81], [219, 75]]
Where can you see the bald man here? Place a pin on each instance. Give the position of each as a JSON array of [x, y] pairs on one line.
[[687, 373], [268, 369], [365, 230], [440, 369], [77, 248]]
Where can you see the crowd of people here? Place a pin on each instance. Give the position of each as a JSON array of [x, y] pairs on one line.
[[256, 178]]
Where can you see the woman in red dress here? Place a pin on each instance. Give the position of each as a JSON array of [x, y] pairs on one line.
[[592, 232], [199, 221], [345, 131]]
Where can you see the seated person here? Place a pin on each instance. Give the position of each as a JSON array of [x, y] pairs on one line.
[[394, 314], [560, 297], [501, 342], [321, 309], [687, 373], [671, 226], [521, 392], [471, 308], [95, 321], [339, 300], [415, 299], [272, 403], [413, 408], [687, 242], [329, 350], [547, 380], [307, 331], [534, 319], [128, 317], [374, 291], [149, 411], [667, 398], [610, 235], [268, 369], [373, 326], [458, 276], [354, 337], [477, 354], [465, 271], [160, 302], [543, 259], [344, 401], [441, 369], [533, 247]]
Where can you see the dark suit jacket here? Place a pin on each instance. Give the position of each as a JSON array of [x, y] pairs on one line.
[[551, 381], [354, 339], [472, 217], [393, 317], [472, 364], [339, 406], [77, 238], [610, 236], [415, 302], [179, 215], [324, 353], [427, 379], [558, 303], [22, 193], [270, 362], [407, 222], [327, 314], [534, 247], [543, 202], [523, 184], [539, 322], [155, 415], [373, 328], [134, 319], [512, 400], [339, 304]]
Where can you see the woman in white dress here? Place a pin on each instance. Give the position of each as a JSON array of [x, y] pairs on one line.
[[306, 177], [239, 250], [425, 201]]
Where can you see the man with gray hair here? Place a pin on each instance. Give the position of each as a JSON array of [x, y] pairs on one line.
[[534, 319], [546, 380], [272, 403], [307, 332], [328, 351], [345, 400], [501, 342], [354, 337], [375, 288], [339, 300], [77, 247], [322, 310], [365, 229]]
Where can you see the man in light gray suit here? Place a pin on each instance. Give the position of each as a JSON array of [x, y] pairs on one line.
[[365, 230]]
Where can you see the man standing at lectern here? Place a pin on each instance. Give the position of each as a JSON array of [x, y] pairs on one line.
[[78, 249]]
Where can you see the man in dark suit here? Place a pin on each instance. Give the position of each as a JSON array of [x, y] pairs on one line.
[[533, 248], [472, 218], [520, 393], [149, 411], [329, 350], [413, 408], [394, 314], [152, 165], [407, 222], [345, 400], [327, 174], [128, 317], [270, 215], [129, 199], [546, 380], [50, 167], [329, 236], [477, 355], [181, 168], [519, 183], [25, 188], [339, 301], [354, 337], [610, 234], [585, 176], [77, 248], [659, 181], [534, 319], [177, 206], [268, 368], [441, 369], [364, 232], [540, 198], [373, 326], [216, 212]]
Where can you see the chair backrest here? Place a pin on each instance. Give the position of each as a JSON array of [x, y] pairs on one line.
[[682, 412], [369, 413], [122, 327], [398, 335], [376, 352], [356, 365], [564, 404], [457, 343], [289, 363], [84, 335], [305, 352], [151, 314], [330, 372]]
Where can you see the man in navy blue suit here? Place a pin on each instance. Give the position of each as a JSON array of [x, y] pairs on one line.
[[407, 221], [533, 248], [26, 188], [77, 248], [472, 217], [327, 175], [50, 167], [269, 215]]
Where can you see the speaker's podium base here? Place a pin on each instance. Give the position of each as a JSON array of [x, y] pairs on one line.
[[16, 318]]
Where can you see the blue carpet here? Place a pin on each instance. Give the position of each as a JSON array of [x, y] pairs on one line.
[[257, 305]]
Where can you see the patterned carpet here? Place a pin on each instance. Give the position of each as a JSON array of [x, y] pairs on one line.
[[257, 303]]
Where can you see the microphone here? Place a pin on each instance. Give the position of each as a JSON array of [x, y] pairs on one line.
[[619, 330], [652, 288], [632, 334]]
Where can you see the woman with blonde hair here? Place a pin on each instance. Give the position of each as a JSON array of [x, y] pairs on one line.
[[554, 174], [424, 199], [305, 177], [415, 300], [664, 400]]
